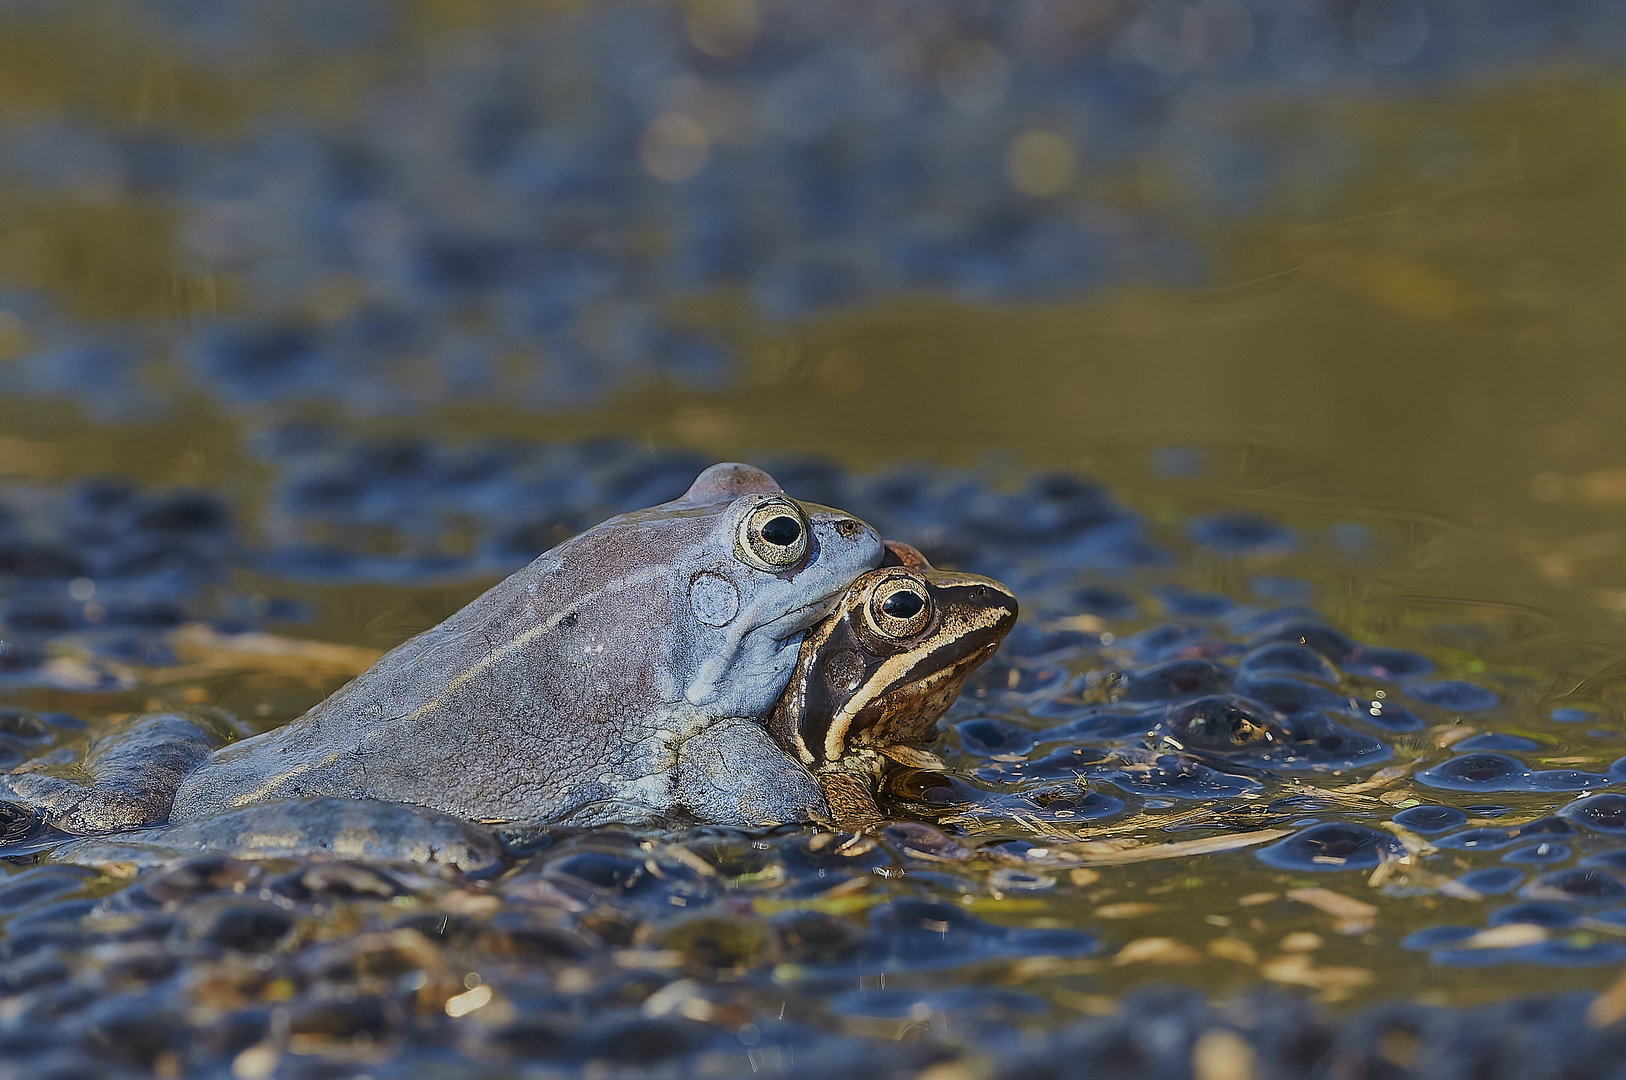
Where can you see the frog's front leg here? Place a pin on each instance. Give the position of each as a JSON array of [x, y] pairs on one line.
[[733, 773], [849, 786], [128, 779]]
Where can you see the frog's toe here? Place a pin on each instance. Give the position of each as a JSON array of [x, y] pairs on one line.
[[82, 808], [127, 780], [733, 774]]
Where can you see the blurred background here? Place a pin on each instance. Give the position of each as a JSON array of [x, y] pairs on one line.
[[1353, 260]]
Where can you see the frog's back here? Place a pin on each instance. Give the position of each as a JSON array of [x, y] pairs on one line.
[[480, 715]]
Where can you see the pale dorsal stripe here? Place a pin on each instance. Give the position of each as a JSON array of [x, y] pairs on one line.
[[520, 640]]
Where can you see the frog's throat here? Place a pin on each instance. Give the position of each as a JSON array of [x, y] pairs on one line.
[[708, 680]]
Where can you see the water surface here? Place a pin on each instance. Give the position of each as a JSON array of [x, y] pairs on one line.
[[1268, 351]]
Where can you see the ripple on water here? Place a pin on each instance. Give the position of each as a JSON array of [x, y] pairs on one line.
[[1453, 694]]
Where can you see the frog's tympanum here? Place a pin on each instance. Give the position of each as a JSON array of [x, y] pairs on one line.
[[621, 676], [882, 668]]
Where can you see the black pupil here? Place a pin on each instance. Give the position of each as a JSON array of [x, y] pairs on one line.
[[903, 605], [782, 531]]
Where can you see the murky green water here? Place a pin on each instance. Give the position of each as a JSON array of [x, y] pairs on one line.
[[1399, 337]]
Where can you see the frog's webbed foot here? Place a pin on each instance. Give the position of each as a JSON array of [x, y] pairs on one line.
[[128, 779], [733, 773]]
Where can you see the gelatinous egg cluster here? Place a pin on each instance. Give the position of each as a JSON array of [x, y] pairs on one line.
[[1131, 715]]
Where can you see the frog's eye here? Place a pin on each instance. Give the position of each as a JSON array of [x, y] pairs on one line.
[[899, 607], [773, 535]]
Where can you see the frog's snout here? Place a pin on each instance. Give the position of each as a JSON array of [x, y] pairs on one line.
[[848, 528]]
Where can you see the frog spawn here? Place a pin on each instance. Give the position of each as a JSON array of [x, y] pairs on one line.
[[1091, 711], [1187, 730], [1181, 730]]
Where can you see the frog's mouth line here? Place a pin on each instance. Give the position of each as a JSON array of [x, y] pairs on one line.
[[797, 620], [849, 720]]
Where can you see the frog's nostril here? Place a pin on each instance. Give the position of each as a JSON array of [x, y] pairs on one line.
[[848, 528]]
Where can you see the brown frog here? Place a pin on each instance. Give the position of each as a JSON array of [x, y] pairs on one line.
[[881, 669]]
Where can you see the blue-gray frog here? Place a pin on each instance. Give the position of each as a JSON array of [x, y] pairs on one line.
[[621, 677]]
